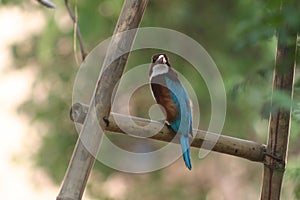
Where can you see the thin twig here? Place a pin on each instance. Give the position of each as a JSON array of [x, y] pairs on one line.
[[76, 27]]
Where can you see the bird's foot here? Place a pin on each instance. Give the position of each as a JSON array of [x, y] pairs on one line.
[[168, 125], [165, 123]]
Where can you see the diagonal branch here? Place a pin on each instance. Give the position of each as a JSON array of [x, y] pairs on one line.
[[229, 145], [83, 159]]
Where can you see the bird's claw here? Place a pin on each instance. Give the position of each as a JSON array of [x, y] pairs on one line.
[[168, 125]]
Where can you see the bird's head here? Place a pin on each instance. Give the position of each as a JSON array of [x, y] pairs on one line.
[[160, 59], [160, 65]]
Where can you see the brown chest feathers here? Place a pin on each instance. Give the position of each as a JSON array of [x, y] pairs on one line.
[[162, 97]]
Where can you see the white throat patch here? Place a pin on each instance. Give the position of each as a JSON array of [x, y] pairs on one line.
[[159, 69], [163, 57]]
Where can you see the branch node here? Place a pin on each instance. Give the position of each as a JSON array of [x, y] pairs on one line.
[[105, 119]]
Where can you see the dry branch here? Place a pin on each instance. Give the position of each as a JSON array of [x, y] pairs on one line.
[[233, 146], [82, 160], [279, 126]]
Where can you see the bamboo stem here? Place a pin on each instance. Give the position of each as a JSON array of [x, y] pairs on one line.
[[83, 159], [225, 144], [279, 125]]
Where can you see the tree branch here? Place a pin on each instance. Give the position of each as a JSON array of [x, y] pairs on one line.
[[83, 159], [233, 146], [47, 3]]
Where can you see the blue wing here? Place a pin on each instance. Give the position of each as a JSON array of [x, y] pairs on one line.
[[183, 122]]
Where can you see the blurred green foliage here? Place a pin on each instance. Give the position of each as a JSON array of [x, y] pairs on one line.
[[240, 37]]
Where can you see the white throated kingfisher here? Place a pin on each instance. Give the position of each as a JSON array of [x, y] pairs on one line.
[[171, 95]]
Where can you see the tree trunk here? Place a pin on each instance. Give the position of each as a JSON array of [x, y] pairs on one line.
[[279, 125]]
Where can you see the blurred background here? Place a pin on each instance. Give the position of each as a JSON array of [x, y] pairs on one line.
[[38, 69]]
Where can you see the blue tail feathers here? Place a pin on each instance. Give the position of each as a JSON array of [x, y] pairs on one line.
[[185, 146]]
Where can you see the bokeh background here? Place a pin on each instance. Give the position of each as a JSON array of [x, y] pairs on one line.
[[38, 69]]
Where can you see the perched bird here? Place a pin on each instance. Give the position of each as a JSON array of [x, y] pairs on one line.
[[171, 95]]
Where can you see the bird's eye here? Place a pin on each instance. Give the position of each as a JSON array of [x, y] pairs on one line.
[[154, 58]]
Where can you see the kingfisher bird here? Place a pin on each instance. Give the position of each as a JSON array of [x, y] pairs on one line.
[[168, 91]]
